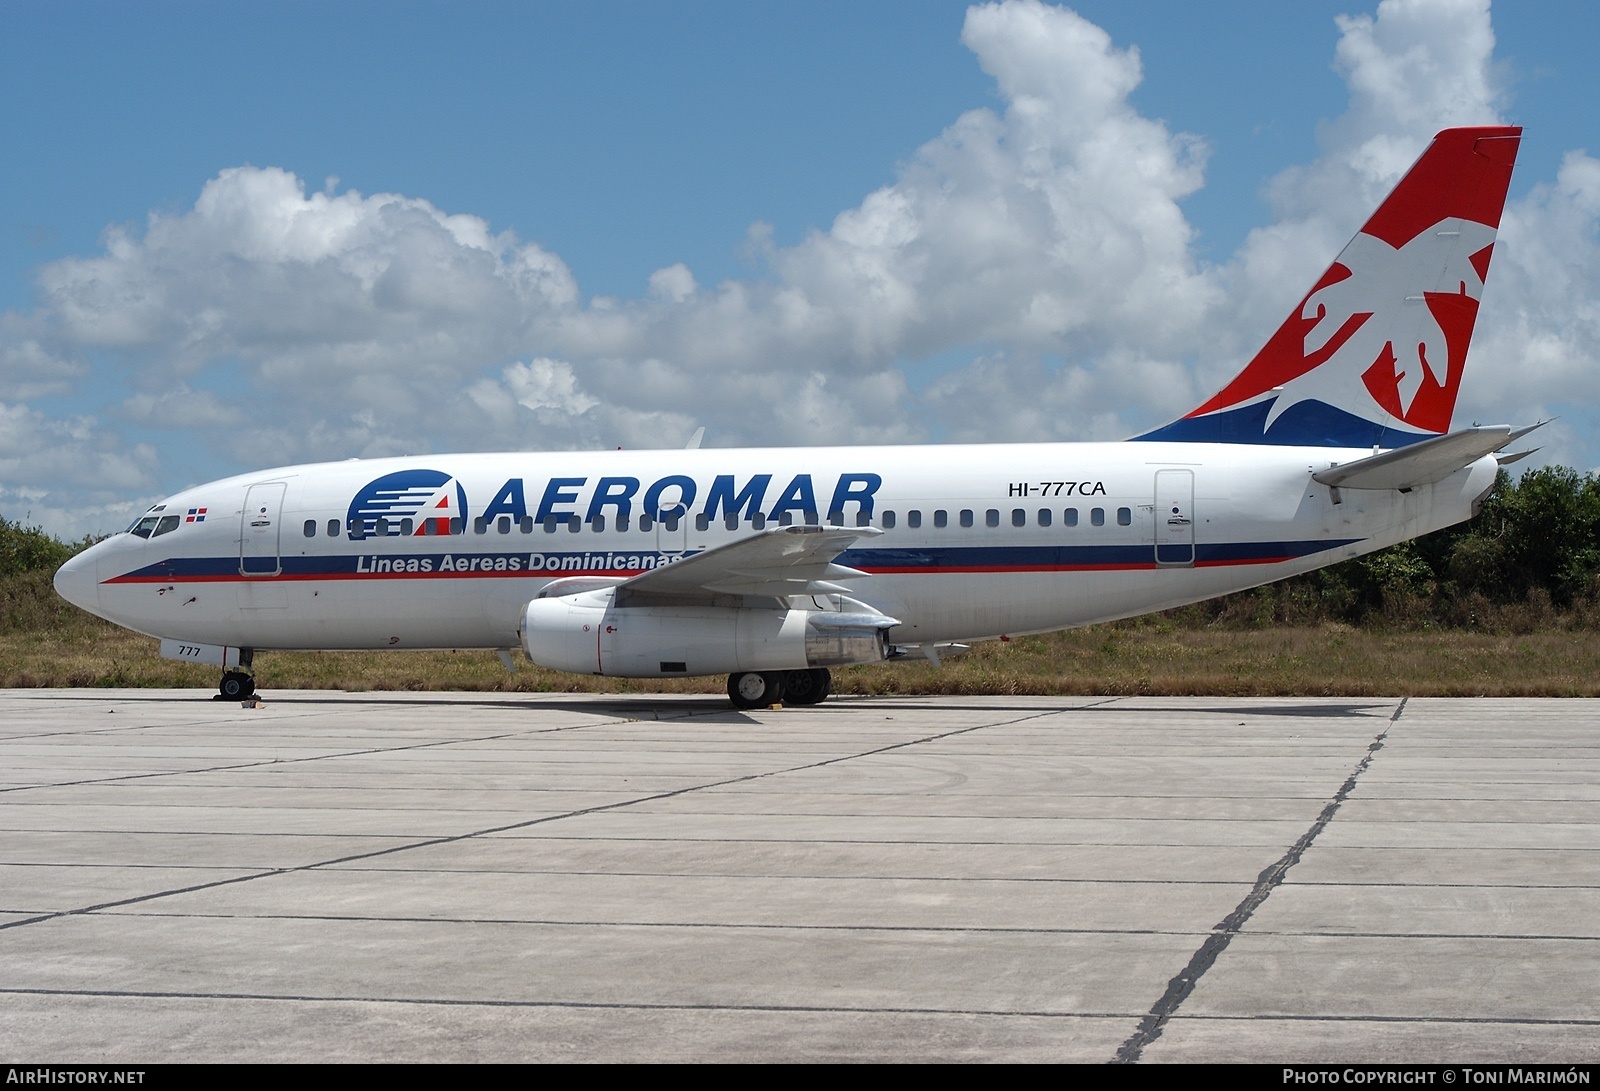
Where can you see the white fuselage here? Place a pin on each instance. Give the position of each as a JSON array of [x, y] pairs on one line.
[[977, 542]]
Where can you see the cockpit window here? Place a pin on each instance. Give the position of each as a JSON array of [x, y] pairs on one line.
[[146, 523], [167, 523]]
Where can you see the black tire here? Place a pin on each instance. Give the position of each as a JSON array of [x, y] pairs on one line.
[[236, 685], [810, 687], [755, 689]]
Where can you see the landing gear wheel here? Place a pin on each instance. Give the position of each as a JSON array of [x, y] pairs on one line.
[[237, 685], [755, 689], [809, 687]]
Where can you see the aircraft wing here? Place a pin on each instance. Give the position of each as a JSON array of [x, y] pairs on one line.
[[782, 561], [1421, 463]]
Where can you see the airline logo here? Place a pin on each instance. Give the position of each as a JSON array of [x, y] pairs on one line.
[[1373, 356], [1370, 338], [429, 498]]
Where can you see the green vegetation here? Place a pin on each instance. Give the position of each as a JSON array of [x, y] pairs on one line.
[[29, 549], [1529, 561], [1507, 604]]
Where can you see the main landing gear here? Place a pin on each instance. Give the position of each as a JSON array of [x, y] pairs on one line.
[[758, 689]]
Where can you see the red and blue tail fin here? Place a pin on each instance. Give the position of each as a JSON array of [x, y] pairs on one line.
[[1373, 356]]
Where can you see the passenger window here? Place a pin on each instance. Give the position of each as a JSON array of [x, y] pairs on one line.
[[406, 527], [480, 525], [333, 528], [1019, 518], [941, 518], [574, 524], [382, 529], [1069, 518], [671, 523], [888, 520], [1044, 517], [991, 518], [914, 518], [966, 517], [358, 528], [1097, 516], [503, 524], [836, 518], [597, 523], [731, 521], [647, 521], [458, 525], [311, 528], [758, 521], [786, 519], [549, 524], [622, 522], [811, 518], [701, 522], [527, 524], [1124, 517]]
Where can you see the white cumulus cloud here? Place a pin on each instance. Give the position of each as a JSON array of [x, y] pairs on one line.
[[1029, 273]]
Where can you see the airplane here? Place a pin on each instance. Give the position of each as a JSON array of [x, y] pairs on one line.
[[774, 566]]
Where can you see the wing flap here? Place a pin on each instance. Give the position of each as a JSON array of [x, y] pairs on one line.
[[779, 562]]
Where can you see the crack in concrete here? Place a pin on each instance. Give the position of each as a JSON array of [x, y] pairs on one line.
[[1222, 933]]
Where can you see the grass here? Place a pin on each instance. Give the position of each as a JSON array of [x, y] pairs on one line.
[[46, 642]]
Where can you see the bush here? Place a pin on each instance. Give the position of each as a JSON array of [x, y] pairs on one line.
[[29, 549]]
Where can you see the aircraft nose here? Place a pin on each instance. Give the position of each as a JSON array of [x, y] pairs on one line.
[[78, 581]]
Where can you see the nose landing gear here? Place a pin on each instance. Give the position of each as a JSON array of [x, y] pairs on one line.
[[239, 684], [236, 685]]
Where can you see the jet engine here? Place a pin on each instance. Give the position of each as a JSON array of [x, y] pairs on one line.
[[588, 632]]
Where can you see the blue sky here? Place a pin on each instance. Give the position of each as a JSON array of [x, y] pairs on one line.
[[620, 141]]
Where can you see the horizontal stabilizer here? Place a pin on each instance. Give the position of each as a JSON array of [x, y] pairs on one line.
[[1420, 463], [1518, 456], [1515, 456]]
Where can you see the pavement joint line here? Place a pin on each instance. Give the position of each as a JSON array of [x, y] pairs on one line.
[[666, 840], [581, 812], [595, 1005], [725, 926], [765, 876], [237, 766], [1514, 937], [1446, 1020], [1181, 986], [674, 793], [592, 1005], [554, 922], [185, 726]]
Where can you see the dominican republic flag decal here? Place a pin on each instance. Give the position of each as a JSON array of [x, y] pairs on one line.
[[196, 515]]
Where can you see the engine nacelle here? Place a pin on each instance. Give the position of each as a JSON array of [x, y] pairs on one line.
[[586, 634]]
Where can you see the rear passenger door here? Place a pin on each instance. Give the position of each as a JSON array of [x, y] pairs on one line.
[[1174, 518]]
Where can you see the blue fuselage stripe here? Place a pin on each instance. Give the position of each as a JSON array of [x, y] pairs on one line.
[[546, 563]]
